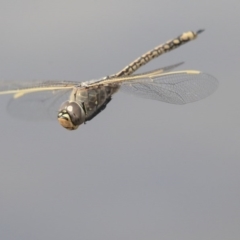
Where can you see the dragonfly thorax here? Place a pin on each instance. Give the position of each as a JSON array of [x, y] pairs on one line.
[[71, 115]]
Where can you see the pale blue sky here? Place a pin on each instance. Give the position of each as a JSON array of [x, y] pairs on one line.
[[172, 173]]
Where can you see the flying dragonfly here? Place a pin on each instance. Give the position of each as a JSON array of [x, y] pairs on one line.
[[82, 101]]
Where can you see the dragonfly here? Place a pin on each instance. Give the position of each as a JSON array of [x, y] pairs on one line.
[[82, 101]]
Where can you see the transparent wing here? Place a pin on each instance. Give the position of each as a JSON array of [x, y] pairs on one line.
[[38, 106], [36, 100], [178, 87], [19, 89]]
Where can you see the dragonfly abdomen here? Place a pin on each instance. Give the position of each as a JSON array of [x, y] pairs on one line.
[[157, 51]]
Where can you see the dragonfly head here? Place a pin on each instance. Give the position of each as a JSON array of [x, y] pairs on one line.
[[71, 115]]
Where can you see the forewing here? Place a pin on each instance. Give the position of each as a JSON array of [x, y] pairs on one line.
[[175, 87], [36, 100]]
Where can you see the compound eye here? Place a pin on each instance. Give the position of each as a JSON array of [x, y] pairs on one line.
[[64, 105], [71, 115], [76, 114]]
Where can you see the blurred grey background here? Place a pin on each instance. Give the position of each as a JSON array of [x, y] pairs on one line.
[[172, 173]]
